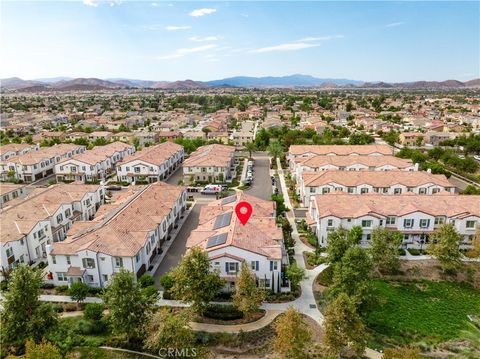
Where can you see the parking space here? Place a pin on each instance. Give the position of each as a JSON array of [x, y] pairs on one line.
[[262, 184]]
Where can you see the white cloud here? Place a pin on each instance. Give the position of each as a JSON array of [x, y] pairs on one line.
[[321, 38], [293, 46], [203, 39], [201, 12], [394, 24], [154, 4], [185, 51], [175, 28], [93, 3]]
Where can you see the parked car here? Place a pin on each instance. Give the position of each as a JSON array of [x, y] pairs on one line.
[[211, 189]]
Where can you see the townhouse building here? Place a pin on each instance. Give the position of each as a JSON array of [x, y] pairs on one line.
[[411, 138], [363, 182], [10, 191], [151, 164], [16, 149], [296, 151], [350, 163], [43, 217], [211, 163], [129, 234], [93, 165], [415, 216], [228, 243], [35, 165]]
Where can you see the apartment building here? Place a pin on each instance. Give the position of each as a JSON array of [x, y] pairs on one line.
[[128, 234], [362, 182], [44, 216], [229, 243], [151, 164], [93, 165], [10, 191], [415, 216], [296, 151], [16, 149], [411, 139], [211, 163], [350, 163], [35, 165]]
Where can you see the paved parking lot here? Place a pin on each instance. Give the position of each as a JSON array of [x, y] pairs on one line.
[[262, 184]]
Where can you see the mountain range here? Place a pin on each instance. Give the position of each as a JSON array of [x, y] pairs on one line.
[[292, 81]]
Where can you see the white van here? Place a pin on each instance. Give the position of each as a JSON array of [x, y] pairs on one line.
[[211, 189]]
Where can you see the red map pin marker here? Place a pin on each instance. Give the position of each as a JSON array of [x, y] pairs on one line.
[[244, 211]]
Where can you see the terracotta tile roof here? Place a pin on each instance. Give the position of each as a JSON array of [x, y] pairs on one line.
[[99, 153], [14, 147], [123, 231], [22, 214], [344, 205], [260, 235], [155, 155], [344, 161], [373, 178], [33, 157], [340, 150], [211, 155], [9, 187]]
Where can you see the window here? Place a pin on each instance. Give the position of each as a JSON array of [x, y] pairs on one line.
[[60, 218], [89, 278], [68, 260], [54, 260], [397, 191], [366, 223], [137, 257], [424, 223], [273, 265], [408, 223], [88, 263], [148, 248], [439, 220], [390, 220], [9, 252], [330, 223], [254, 265], [325, 190], [231, 267], [422, 190], [363, 190], [368, 236], [350, 189], [22, 242], [61, 277], [435, 190], [105, 277], [68, 212], [406, 237], [312, 189], [470, 224], [118, 262], [410, 189]]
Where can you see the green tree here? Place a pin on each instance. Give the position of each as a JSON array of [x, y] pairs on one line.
[[444, 245], [128, 305], [384, 249], [44, 350], [78, 291], [93, 312], [295, 274], [402, 353], [343, 328], [169, 330], [194, 282], [24, 316], [275, 150], [471, 190], [352, 275], [250, 147], [292, 335], [247, 297], [340, 240]]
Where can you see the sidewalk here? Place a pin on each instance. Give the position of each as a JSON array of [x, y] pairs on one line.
[[269, 317]]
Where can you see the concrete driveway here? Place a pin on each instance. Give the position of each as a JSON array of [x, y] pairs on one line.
[[177, 249], [262, 184]]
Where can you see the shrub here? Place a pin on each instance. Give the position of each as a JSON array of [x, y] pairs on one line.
[[93, 311], [415, 252], [325, 277], [402, 252], [58, 308], [94, 291], [47, 286], [146, 280], [70, 307], [85, 327], [151, 292], [78, 291], [3, 285], [222, 312], [61, 289]]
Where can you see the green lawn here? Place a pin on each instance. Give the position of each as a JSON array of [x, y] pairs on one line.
[[423, 311], [98, 353]]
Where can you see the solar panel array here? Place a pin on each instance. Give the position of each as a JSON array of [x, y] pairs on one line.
[[229, 199], [222, 220], [216, 240]]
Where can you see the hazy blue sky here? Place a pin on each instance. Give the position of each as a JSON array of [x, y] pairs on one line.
[[156, 40]]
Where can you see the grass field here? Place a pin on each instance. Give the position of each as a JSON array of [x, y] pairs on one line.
[[98, 353], [423, 311]]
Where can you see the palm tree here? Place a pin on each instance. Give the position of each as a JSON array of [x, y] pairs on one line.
[[250, 147], [274, 149]]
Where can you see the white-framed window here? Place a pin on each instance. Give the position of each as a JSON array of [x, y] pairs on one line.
[[68, 260], [88, 263], [118, 262], [231, 267], [105, 277], [390, 220], [351, 189], [9, 252], [54, 260], [330, 223], [397, 191], [273, 265], [408, 222], [422, 190], [435, 190], [254, 265], [424, 223], [325, 190], [366, 223], [363, 190], [61, 277], [60, 218], [137, 257], [439, 220], [470, 224]]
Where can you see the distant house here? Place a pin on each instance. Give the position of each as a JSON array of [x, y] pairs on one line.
[[169, 135], [211, 163], [411, 138]]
